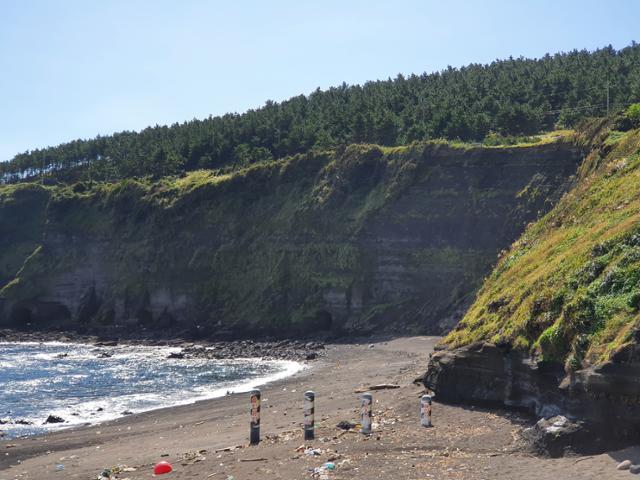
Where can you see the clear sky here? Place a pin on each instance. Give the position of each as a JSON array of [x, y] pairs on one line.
[[77, 68]]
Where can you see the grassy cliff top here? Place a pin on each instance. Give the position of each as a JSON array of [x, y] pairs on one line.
[[177, 185], [569, 289]]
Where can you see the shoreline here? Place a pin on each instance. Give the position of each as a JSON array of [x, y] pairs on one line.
[[20, 426], [267, 349], [209, 439], [64, 438]]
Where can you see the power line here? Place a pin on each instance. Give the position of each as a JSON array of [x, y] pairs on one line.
[[572, 109], [586, 107]]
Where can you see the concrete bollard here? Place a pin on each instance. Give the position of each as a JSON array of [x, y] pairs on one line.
[[254, 436], [309, 414], [425, 411], [366, 404]]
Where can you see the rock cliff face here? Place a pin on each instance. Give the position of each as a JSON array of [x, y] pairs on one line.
[[603, 401], [363, 239], [555, 327]]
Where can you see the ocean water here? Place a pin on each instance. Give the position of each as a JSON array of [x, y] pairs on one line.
[[75, 382]]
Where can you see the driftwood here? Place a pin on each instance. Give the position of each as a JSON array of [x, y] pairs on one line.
[[228, 449], [382, 386]]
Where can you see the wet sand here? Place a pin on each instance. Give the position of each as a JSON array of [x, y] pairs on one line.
[[464, 443]]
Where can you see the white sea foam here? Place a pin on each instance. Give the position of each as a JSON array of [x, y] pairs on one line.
[[39, 379]]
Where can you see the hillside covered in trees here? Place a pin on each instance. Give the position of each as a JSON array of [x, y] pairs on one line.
[[505, 98]]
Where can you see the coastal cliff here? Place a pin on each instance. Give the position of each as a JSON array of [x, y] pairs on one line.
[[554, 328], [364, 239]]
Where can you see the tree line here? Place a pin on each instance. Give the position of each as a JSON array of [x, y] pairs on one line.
[[517, 96]]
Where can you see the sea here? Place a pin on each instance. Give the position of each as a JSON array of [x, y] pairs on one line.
[[85, 384]]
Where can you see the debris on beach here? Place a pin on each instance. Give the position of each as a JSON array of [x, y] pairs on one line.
[[346, 425], [229, 449], [624, 465], [162, 467], [322, 472], [112, 473], [382, 386], [190, 458], [105, 475]]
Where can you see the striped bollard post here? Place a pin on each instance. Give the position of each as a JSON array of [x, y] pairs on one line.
[[366, 403], [425, 411], [309, 413], [254, 436]]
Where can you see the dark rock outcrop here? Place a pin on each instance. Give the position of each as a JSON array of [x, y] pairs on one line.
[[601, 403], [558, 435], [54, 419]]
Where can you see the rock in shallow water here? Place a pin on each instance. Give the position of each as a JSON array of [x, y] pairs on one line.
[[635, 469], [54, 419]]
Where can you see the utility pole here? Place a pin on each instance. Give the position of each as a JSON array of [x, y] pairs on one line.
[[422, 106], [607, 98]]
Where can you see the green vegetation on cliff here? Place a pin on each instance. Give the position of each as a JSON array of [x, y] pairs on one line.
[[22, 216], [362, 237], [569, 289], [505, 98]]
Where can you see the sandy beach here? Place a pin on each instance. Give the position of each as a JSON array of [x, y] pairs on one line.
[[209, 439]]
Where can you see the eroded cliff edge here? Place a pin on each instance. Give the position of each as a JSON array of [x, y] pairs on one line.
[[555, 328], [361, 239]]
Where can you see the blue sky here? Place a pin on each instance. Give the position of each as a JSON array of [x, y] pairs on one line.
[[77, 68]]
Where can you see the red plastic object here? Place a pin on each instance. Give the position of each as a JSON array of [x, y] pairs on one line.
[[162, 467]]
